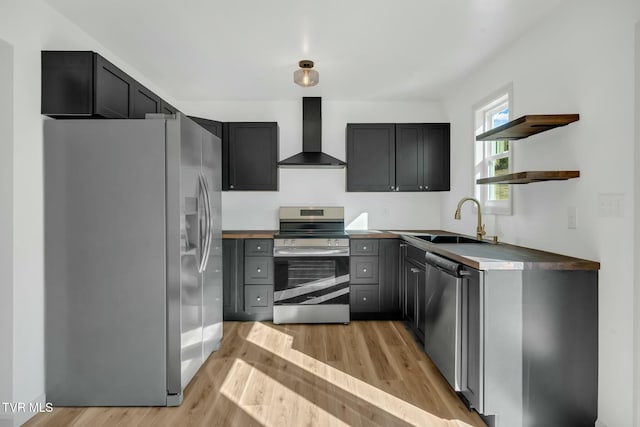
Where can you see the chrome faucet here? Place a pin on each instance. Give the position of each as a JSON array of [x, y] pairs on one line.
[[480, 229]]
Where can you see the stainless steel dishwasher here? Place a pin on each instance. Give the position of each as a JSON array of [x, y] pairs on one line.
[[443, 316]]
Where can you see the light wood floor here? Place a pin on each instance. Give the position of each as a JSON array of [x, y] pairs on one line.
[[362, 374]]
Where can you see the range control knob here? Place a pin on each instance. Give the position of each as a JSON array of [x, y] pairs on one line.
[[335, 242], [293, 242], [328, 242], [286, 242]]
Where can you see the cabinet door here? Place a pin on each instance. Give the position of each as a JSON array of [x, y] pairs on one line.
[[364, 299], [211, 125], [421, 303], [388, 275], [258, 270], [232, 277], [364, 247], [144, 101], [67, 83], [258, 299], [411, 274], [436, 157], [258, 247], [113, 90], [251, 156], [409, 157], [166, 108], [371, 163], [472, 381], [364, 269]]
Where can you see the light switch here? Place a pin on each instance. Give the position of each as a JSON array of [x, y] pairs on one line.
[[572, 218]]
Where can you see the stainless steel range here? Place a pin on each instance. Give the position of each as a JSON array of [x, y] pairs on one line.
[[311, 257]]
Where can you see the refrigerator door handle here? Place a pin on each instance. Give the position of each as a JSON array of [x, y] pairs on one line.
[[203, 244], [209, 230]]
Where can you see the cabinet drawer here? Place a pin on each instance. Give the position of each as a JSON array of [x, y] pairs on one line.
[[258, 247], [364, 247], [258, 298], [364, 299], [364, 269], [258, 271]]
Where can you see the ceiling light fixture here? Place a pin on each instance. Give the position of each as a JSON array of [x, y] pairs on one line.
[[306, 76]]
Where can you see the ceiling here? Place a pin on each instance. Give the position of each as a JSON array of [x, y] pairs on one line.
[[248, 49]]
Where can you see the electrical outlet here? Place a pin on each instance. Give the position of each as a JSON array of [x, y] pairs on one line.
[[572, 218], [611, 205]]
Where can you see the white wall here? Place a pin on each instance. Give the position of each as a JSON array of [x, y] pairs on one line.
[[31, 27], [6, 227], [258, 210], [580, 60]]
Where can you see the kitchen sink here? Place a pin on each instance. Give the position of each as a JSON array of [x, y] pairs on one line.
[[447, 238]]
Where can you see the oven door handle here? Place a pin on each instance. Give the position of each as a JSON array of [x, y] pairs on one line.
[[310, 252]]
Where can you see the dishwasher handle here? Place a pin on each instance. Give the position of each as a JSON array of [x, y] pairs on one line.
[[446, 265]]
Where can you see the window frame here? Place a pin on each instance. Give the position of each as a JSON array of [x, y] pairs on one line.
[[480, 112]]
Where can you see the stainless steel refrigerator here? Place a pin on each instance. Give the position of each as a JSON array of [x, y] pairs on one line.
[[133, 259]]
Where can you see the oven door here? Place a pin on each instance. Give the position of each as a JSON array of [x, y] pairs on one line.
[[311, 279]]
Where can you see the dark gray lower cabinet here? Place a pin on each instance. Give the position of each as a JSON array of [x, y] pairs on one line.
[[528, 346], [374, 278], [232, 278], [247, 279], [413, 288]]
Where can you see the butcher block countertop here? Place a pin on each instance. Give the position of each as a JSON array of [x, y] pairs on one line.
[[248, 234], [482, 256]]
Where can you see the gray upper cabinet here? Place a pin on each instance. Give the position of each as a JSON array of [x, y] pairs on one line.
[[144, 101], [398, 157], [436, 157], [250, 156], [78, 84], [371, 157], [213, 126], [409, 157]]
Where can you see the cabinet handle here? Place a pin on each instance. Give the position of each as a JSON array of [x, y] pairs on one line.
[[259, 248], [364, 298], [415, 270], [259, 270], [364, 248], [392, 188], [398, 188], [258, 298], [364, 270], [231, 186], [426, 187], [421, 187]]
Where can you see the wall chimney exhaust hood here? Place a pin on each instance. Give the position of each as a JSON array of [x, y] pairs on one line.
[[311, 155]]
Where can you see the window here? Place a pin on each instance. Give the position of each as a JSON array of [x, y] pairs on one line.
[[493, 158]]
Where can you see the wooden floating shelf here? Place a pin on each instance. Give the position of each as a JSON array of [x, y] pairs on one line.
[[529, 177], [527, 125]]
